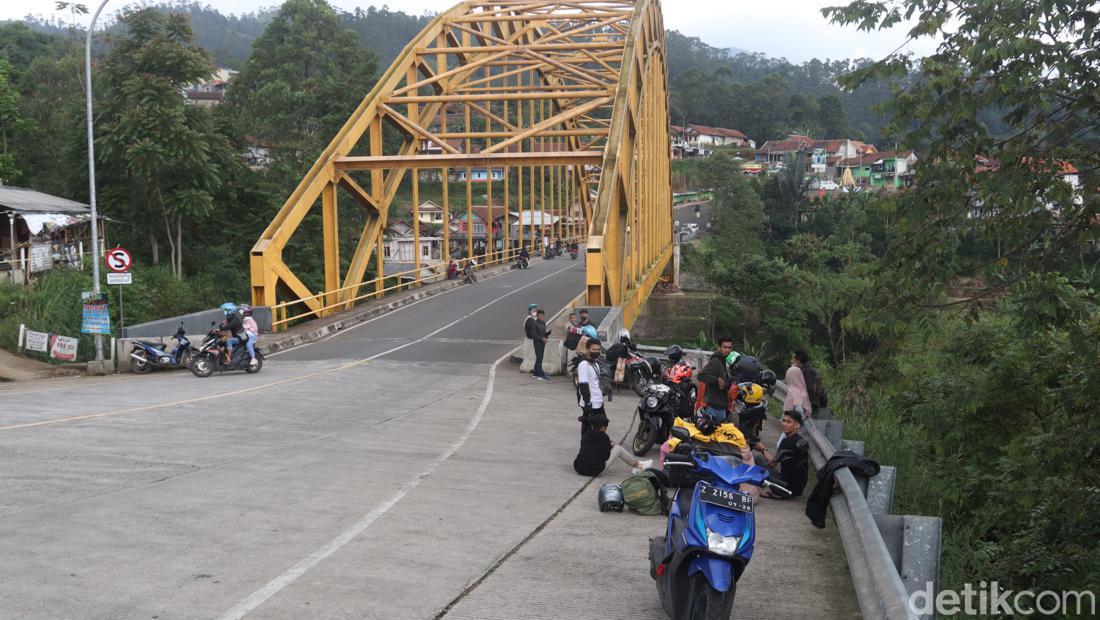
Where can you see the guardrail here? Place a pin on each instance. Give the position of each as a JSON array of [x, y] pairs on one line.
[[883, 574], [330, 300]]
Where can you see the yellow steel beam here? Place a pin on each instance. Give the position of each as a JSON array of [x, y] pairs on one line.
[[595, 68]]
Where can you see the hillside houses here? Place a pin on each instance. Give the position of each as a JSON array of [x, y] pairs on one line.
[[700, 140]]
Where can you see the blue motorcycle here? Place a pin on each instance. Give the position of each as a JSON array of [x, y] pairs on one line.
[[146, 356], [711, 531]]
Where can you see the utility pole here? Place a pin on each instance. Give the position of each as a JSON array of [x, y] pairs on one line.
[[100, 366]]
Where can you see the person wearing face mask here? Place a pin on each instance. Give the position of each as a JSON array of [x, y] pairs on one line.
[[590, 397]]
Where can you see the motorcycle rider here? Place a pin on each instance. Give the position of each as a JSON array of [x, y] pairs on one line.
[[524, 256], [252, 330], [234, 324]]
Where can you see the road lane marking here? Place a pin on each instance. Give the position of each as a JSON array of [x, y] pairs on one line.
[[349, 365], [341, 332], [273, 587]]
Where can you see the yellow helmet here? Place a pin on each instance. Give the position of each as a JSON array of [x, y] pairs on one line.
[[752, 394]]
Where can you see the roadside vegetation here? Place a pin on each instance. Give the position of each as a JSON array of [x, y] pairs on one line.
[[957, 324]]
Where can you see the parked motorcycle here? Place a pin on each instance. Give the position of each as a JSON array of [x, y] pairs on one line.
[[711, 531], [679, 378], [523, 263], [656, 411], [210, 357], [641, 372], [146, 356], [469, 274]]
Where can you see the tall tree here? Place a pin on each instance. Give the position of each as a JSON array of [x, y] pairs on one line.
[[832, 118], [162, 160], [10, 121], [306, 75]]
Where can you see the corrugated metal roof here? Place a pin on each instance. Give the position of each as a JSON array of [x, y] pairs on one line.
[[22, 200]]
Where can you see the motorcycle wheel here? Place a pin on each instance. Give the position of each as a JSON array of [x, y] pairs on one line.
[[141, 366], [202, 365], [706, 603], [253, 369], [639, 382], [644, 437]]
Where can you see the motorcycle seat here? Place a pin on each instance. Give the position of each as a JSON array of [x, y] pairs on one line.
[[155, 345]]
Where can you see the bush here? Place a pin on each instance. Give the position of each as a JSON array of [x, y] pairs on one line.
[[54, 304]]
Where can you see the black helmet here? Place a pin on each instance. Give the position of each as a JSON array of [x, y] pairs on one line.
[[611, 497], [748, 368], [767, 379], [705, 422], [654, 365], [674, 354]]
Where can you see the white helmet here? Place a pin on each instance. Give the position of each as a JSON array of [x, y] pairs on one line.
[[624, 335]]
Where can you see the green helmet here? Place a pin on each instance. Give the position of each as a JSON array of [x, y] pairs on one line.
[[732, 358]]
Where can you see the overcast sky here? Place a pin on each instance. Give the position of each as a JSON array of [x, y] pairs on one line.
[[793, 29]]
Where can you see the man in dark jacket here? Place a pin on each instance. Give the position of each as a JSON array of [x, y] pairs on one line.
[[814, 386], [535, 328], [716, 377]]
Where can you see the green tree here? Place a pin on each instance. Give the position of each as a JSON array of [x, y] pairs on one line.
[[306, 75], [832, 118], [11, 121], [162, 160], [1033, 65]]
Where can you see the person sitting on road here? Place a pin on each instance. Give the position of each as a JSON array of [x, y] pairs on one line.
[[234, 324], [252, 330], [452, 270], [790, 461], [598, 451]]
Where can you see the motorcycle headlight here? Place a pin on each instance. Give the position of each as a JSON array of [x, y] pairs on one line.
[[722, 545], [651, 402]]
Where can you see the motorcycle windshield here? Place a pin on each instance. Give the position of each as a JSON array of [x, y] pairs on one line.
[[732, 471]]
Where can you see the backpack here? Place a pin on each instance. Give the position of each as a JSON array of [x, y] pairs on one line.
[[644, 494]]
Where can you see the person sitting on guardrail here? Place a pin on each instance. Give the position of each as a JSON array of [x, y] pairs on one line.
[[790, 461], [798, 399], [714, 379], [598, 451]]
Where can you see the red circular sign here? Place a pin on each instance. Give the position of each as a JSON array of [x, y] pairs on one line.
[[118, 260]]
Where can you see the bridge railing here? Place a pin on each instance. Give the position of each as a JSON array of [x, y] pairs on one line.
[[879, 583], [288, 312]]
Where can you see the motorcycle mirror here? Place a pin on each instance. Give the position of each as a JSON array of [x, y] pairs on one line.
[[680, 433], [778, 490]]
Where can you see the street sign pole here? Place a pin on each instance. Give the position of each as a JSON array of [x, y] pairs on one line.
[[91, 179]]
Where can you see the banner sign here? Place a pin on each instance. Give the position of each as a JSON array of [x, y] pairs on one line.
[[37, 341], [97, 318], [63, 348]]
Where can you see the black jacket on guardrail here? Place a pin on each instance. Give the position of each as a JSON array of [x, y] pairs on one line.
[[817, 505]]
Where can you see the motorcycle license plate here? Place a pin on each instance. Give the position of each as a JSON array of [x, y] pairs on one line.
[[725, 498]]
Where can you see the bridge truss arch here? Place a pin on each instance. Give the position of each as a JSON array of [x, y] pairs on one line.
[[554, 115]]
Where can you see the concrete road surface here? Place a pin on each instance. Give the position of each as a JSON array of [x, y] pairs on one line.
[[395, 470]]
